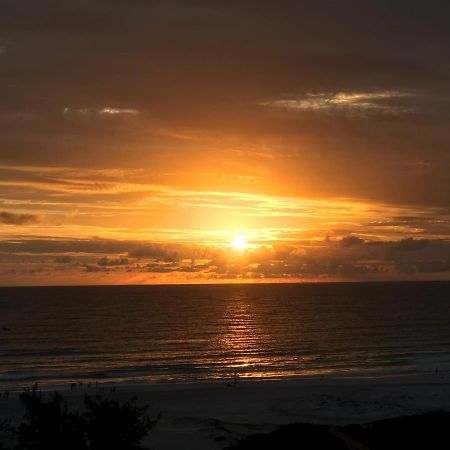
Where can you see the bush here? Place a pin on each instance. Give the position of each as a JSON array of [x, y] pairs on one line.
[[104, 425], [110, 425], [4, 430], [49, 425]]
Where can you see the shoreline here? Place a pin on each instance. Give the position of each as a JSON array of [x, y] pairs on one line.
[[146, 382], [137, 382]]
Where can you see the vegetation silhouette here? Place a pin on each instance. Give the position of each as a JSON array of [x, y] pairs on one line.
[[423, 431], [109, 424], [49, 424], [103, 424]]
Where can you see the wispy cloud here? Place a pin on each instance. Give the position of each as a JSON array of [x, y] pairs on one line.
[[100, 112], [119, 203], [118, 111], [363, 102]]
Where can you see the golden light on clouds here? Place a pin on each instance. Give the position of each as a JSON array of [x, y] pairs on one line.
[[333, 164], [69, 226]]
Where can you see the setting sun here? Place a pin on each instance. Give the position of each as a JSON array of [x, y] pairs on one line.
[[235, 212], [239, 242]]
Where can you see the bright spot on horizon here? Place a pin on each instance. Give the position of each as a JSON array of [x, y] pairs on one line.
[[239, 242]]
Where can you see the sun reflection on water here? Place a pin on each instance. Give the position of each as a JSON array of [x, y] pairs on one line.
[[242, 338]]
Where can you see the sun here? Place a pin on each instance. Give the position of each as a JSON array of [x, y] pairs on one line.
[[239, 242]]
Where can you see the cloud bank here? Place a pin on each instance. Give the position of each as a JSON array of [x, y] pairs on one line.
[[348, 258]]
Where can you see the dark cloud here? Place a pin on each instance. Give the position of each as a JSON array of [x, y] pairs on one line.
[[91, 268], [156, 251], [106, 262], [9, 218], [172, 252], [66, 259], [349, 241], [355, 258], [63, 245], [180, 66], [410, 244], [99, 246]]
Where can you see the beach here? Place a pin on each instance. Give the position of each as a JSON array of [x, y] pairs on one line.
[[213, 415], [233, 361]]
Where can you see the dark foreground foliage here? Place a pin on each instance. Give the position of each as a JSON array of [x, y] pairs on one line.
[[426, 432], [104, 424], [109, 424]]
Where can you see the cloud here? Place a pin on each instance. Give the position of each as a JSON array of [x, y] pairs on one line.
[[71, 180], [411, 245], [91, 268], [318, 64], [353, 258], [65, 259], [118, 111], [54, 245], [350, 102], [8, 218], [350, 241], [156, 251], [102, 249], [332, 259], [106, 262], [100, 112], [172, 252]]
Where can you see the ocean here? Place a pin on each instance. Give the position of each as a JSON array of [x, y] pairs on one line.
[[188, 333]]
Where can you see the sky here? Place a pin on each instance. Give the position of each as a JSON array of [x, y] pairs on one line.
[[224, 141]]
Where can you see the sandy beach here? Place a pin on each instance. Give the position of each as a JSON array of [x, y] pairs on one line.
[[201, 416]]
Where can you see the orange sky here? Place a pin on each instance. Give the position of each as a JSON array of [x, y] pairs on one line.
[[317, 134]]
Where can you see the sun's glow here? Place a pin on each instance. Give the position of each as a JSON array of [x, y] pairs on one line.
[[239, 242]]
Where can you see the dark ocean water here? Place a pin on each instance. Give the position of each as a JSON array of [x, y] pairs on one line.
[[190, 333]]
